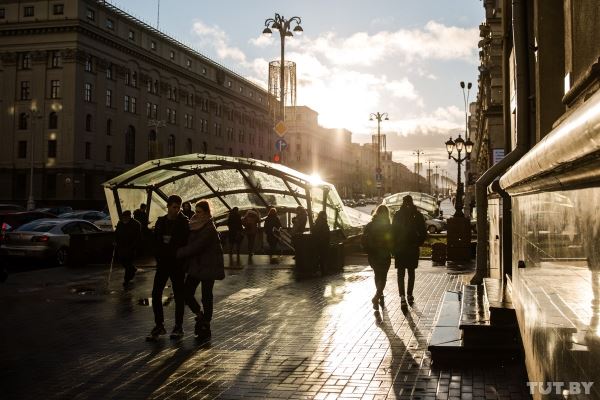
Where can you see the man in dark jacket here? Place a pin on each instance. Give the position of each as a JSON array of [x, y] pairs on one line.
[[170, 233], [409, 232], [127, 240]]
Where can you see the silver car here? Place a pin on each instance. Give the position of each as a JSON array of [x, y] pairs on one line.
[[47, 239]]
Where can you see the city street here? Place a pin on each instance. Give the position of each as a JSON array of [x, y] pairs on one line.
[[68, 336]]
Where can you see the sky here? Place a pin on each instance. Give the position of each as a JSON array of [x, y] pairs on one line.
[[355, 57]]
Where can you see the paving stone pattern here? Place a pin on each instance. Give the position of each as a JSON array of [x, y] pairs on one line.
[[66, 336]]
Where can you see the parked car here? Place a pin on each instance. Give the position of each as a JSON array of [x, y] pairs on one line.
[[12, 220], [105, 224], [88, 215], [434, 225], [58, 210], [47, 239], [10, 208]]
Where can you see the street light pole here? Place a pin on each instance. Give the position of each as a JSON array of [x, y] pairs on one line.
[[379, 116], [418, 153], [35, 115], [459, 144], [467, 136], [283, 26]]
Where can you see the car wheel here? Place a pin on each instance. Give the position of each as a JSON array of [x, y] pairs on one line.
[[62, 256], [431, 229]]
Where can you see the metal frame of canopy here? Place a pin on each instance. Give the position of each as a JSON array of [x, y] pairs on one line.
[[226, 182]]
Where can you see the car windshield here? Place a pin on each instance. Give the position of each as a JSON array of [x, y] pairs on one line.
[[37, 226]]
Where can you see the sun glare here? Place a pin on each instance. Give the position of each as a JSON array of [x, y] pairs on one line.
[[315, 179]]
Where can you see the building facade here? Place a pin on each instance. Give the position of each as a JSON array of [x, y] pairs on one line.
[[538, 202], [88, 91]]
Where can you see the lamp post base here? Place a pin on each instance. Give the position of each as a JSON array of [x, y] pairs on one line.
[[459, 239], [30, 203]]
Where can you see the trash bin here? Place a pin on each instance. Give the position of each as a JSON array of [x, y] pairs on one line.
[[306, 257], [335, 258], [438, 253]]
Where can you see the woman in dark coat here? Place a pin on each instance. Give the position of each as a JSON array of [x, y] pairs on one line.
[[409, 233], [235, 228], [321, 235], [203, 262], [377, 241], [271, 223]]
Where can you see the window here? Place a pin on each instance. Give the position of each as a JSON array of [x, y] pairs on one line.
[[90, 14], [229, 84], [155, 87], [108, 98], [126, 103], [131, 35], [51, 148], [22, 149], [172, 55], [204, 147], [149, 85], [53, 120], [25, 61], [152, 45], [203, 70], [108, 151], [25, 90], [88, 150], [130, 145], [171, 146], [55, 59], [188, 146], [133, 104], [88, 123], [188, 63], [54, 89], [110, 24], [134, 79], [23, 121], [109, 72], [28, 11], [152, 145], [2, 13], [154, 111], [58, 9], [109, 127], [88, 64], [148, 109], [188, 121], [127, 78], [87, 92]]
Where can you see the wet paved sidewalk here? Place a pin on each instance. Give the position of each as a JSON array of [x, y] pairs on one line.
[[65, 336]]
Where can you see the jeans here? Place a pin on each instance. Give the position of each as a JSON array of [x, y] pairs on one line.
[[163, 274], [381, 266], [127, 263], [411, 280], [191, 284]]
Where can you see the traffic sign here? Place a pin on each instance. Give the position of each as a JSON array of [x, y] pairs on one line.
[[280, 145], [280, 128], [379, 185], [378, 177]]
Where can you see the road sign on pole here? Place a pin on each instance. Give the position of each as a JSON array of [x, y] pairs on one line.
[[280, 145], [280, 128]]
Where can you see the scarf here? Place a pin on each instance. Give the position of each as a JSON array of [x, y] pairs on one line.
[[197, 222]]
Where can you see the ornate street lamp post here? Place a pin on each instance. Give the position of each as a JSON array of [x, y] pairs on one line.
[[283, 26], [467, 135], [35, 115], [460, 145], [378, 176], [418, 153]]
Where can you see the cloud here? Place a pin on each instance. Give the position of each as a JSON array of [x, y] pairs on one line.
[[434, 41], [215, 38], [262, 41]]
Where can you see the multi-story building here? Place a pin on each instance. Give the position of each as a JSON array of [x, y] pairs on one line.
[[88, 91], [535, 206]]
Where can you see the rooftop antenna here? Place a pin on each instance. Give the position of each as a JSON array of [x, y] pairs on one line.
[[158, 15]]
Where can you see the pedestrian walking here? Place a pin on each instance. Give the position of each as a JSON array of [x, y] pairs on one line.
[[409, 232], [170, 233], [141, 216], [128, 236], [321, 235], [235, 233], [251, 222], [186, 209], [377, 242], [203, 262], [272, 223], [299, 221]]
